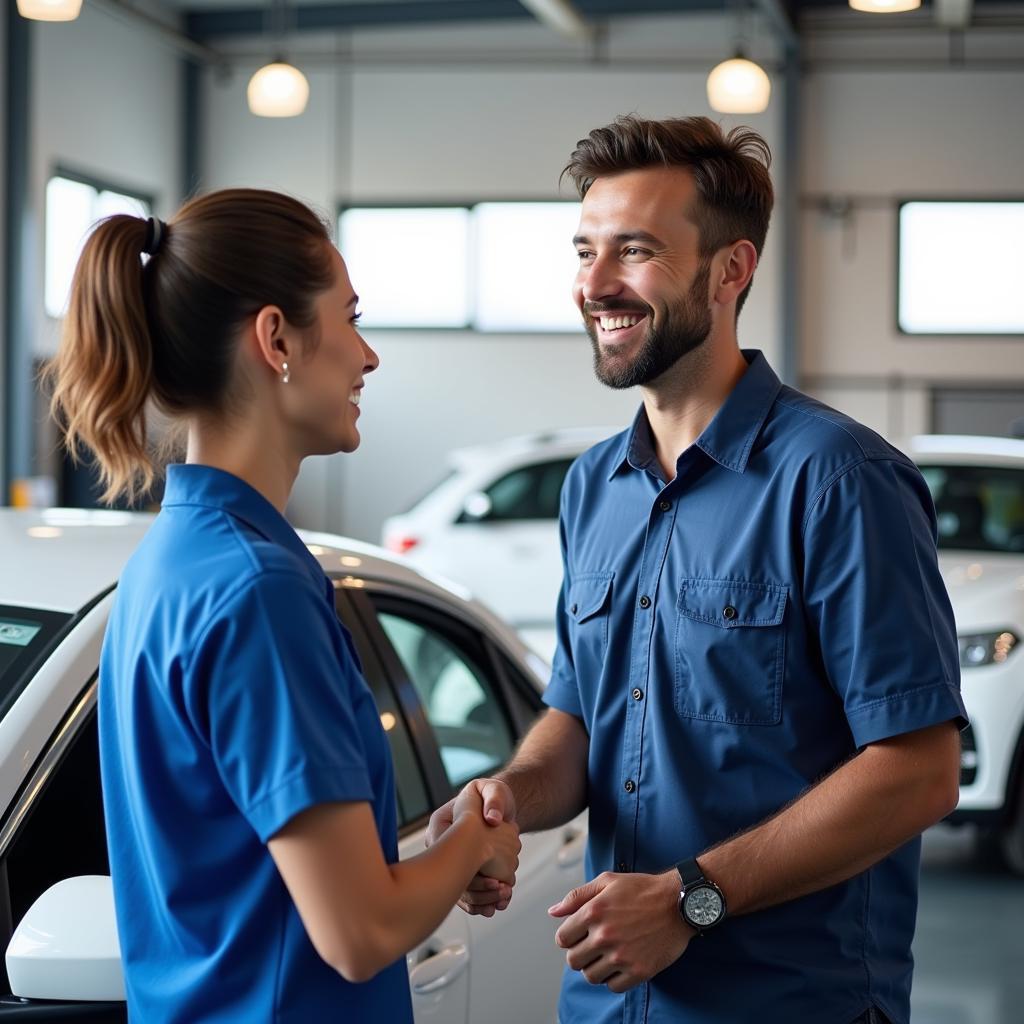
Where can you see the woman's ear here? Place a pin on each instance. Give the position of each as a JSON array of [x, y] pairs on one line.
[[273, 342]]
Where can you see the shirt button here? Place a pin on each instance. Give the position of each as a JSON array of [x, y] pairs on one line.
[[622, 867], [630, 785], [638, 694], [664, 505], [729, 612], [574, 609], [645, 602]]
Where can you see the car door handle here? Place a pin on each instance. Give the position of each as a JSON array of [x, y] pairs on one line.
[[574, 845], [439, 967]]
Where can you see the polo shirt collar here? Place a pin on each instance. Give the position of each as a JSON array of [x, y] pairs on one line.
[[207, 487], [730, 436]]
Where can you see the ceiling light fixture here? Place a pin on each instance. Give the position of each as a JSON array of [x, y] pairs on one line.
[[885, 6], [739, 86], [50, 10], [278, 89]]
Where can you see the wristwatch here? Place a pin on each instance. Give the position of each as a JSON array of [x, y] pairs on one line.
[[701, 902]]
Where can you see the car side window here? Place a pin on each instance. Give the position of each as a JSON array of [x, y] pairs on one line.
[[530, 492], [459, 699]]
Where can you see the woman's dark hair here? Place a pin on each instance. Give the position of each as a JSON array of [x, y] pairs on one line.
[[730, 171], [166, 329]]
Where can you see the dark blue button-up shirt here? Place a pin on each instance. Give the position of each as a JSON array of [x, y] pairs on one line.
[[727, 639]]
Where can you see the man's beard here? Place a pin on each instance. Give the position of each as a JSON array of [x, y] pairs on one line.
[[685, 326]]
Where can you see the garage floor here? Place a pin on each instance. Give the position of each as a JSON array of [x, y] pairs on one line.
[[970, 935]]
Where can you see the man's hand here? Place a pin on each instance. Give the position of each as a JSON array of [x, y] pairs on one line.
[[485, 895], [622, 929]]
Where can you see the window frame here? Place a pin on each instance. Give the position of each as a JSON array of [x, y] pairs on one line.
[[897, 242], [98, 184], [470, 327]]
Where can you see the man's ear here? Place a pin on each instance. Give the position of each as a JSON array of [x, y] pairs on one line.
[[734, 272]]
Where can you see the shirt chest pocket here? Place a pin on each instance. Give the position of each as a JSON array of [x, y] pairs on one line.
[[588, 607], [730, 650]]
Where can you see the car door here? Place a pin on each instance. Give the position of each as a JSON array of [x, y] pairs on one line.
[[476, 705], [504, 545]]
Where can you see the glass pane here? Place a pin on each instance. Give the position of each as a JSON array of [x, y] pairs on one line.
[[525, 266], [531, 492], [68, 219], [978, 508], [409, 267], [959, 268], [108, 203], [458, 699]]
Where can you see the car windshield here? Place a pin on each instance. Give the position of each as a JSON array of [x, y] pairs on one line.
[[26, 635], [979, 508]]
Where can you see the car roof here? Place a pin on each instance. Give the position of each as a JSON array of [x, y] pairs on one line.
[[966, 449], [61, 559], [571, 440]]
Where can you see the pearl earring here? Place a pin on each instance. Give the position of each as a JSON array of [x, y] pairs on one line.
[[285, 374]]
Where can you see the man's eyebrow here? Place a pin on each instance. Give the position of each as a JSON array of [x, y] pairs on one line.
[[623, 237]]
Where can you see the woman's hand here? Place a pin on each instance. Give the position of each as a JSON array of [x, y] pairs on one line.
[[501, 844], [505, 846]]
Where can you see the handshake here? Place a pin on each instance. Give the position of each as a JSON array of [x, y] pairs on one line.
[[491, 800], [618, 930]]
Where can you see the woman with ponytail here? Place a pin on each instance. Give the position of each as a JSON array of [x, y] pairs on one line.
[[247, 781]]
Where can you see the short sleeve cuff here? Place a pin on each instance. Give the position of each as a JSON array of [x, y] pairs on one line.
[[315, 784], [906, 712], [563, 695]]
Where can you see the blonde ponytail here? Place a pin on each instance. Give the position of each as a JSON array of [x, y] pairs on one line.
[[102, 376]]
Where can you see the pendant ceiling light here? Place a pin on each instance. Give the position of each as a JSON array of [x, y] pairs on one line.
[[50, 10], [278, 90], [885, 6], [739, 86]]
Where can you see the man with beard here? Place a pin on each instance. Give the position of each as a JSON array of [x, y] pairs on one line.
[[756, 686]]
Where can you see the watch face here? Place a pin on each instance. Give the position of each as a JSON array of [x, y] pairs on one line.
[[703, 906]]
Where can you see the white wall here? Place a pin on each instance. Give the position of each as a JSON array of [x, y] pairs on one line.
[[448, 130], [106, 102], [879, 136]]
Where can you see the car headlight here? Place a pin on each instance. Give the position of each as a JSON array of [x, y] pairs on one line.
[[979, 649]]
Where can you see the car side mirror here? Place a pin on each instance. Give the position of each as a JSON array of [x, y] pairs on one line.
[[476, 508], [66, 946]]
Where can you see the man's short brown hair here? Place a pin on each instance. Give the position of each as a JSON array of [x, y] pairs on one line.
[[734, 188]]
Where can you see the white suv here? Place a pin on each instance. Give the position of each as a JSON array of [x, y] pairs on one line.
[[977, 484], [492, 524]]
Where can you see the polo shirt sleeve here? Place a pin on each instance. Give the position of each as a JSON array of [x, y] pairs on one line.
[[563, 691], [873, 590], [273, 693]]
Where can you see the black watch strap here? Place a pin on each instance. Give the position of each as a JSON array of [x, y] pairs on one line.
[[689, 873]]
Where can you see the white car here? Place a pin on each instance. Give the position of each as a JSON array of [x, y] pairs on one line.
[[977, 484], [492, 524], [455, 688]]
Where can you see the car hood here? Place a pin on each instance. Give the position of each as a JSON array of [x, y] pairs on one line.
[[987, 591]]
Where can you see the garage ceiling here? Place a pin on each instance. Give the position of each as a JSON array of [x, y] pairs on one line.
[[210, 20]]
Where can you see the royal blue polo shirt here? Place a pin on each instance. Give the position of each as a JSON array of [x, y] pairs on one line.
[[728, 638], [230, 699]]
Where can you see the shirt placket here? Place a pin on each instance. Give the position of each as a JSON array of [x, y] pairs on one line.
[[632, 784]]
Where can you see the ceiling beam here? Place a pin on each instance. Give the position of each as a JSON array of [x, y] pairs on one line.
[[207, 23]]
